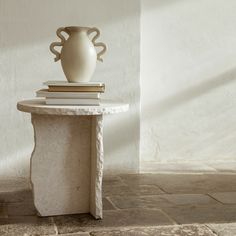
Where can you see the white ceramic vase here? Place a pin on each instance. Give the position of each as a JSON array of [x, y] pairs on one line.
[[78, 54]]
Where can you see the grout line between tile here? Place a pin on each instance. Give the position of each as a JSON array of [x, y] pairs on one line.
[[162, 189], [211, 230], [116, 208], [165, 214], [208, 194]]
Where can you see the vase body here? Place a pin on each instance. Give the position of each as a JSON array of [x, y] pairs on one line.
[[78, 54]]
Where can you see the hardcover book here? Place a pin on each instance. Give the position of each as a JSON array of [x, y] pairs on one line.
[[64, 86], [65, 83], [47, 94], [100, 89]]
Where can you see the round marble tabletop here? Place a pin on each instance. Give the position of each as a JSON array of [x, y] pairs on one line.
[[38, 106]]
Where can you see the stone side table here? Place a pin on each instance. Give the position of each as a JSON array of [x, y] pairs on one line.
[[67, 160]]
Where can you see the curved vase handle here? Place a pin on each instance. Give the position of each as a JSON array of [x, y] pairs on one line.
[[94, 29], [54, 44]]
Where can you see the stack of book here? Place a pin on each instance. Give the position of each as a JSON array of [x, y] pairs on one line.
[[65, 93]]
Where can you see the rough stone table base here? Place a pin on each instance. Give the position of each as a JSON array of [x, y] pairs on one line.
[[66, 164], [67, 161]]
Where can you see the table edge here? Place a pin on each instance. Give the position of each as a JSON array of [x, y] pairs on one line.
[[72, 112]]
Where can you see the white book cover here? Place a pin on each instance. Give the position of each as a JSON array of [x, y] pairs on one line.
[[45, 93], [68, 101], [65, 83]]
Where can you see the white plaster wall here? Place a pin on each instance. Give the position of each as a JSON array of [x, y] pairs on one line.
[[27, 29], [188, 80]]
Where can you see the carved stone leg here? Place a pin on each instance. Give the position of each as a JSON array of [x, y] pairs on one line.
[[96, 167], [66, 164]]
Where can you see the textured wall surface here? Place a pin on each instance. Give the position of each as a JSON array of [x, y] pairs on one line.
[[27, 29], [188, 80]]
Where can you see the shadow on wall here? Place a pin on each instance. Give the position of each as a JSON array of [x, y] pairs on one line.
[[160, 4], [200, 120], [162, 107]]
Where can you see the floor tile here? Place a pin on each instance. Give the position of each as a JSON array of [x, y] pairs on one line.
[[146, 190], [117, 190], [125, 190], [3, 211], [170, 183], [76, 234], [209, 214], [190, 199], [140, 202], [193, 230], [114, 185], [164, 200], [185, 183], [145, 200], [221, 183], [20, 209], [226, 198], [13, 184], [107, 204], [223, 229], [112, 180], [118, 218], [23, 226], [24, 195], [140, 179]]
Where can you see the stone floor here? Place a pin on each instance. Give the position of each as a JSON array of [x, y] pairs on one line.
[[144, 204]]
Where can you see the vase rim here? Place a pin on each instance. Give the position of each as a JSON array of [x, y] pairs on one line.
[[77, 28]]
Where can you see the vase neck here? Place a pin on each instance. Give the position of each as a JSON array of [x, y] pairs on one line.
[[76, 29]]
